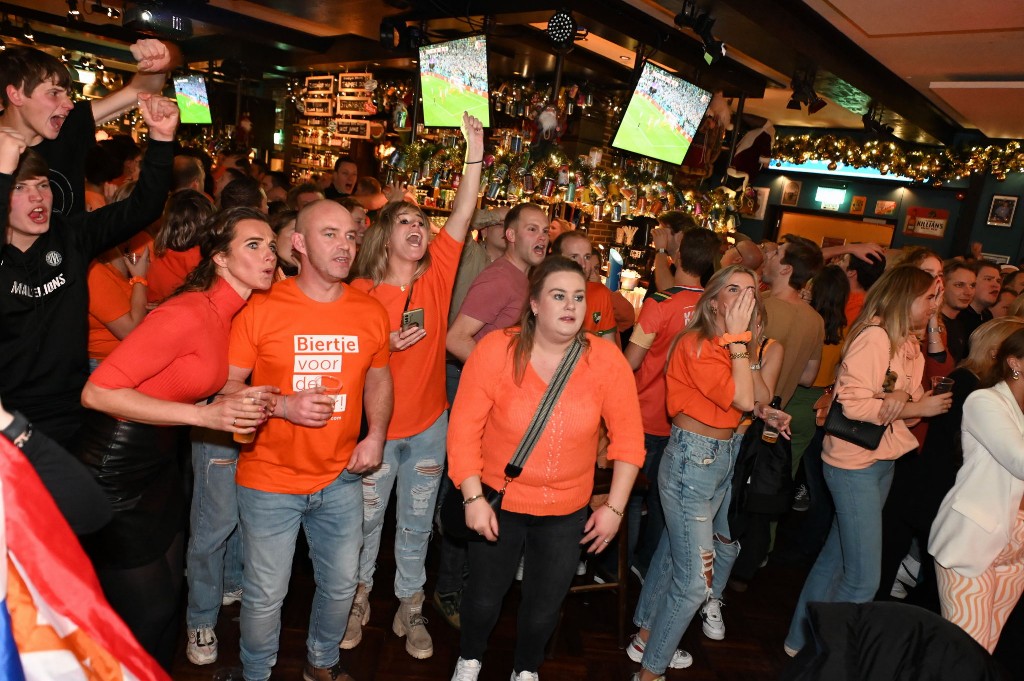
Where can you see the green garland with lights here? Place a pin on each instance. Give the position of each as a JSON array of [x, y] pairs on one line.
[[923, 164]]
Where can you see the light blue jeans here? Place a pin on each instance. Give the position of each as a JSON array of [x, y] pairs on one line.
[[417, 462], [214, 555], [850, 564], [691, 563], [333, 522]]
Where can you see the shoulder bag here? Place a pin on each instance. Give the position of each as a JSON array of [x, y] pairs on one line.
[[453, 511], [861, 433]]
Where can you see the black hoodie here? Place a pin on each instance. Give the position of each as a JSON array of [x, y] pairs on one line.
[[44, 297]]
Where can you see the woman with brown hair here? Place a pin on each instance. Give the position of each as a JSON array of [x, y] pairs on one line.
[[158, 378], [544, 512]]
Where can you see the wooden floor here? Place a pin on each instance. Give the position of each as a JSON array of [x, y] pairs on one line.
[[756, 623]]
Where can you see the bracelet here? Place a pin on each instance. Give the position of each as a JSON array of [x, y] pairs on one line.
[[614, 510], [473, 498], [138, 280], [729, 338], [936, 329], [662, 251], [739, 355], [470, 163]]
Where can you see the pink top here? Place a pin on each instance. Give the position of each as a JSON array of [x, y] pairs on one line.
[[861, 374]]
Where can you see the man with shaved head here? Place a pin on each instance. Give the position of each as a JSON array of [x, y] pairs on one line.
[[744, 252], [325, 345]]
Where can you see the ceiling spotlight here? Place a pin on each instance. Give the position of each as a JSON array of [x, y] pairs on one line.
[[794, 103], [3, 45], [687, 14], [74, 14], [109, 12], [563, 30], [98, 64], [816, 105], [28, 33], [804, 94]]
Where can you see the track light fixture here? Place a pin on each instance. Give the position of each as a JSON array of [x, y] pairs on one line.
[[74, 14], [872, 120], [27, 33], [702, 23], [804, 94], [563, 31]]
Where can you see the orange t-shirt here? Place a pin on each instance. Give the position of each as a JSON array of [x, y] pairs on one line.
[[854, 304], [291, 341], [662, 317], [168, 271], [418, 371], [110, 298], [701, 385], [491, 413], [600, 315]]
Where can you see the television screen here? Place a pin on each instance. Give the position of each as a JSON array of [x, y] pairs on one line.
[[193, 102], [662, 116], [453, 79]]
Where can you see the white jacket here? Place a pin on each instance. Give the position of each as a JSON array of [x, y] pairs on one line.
[[978, 514]]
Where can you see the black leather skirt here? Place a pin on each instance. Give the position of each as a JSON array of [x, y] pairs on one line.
[[138, 466]]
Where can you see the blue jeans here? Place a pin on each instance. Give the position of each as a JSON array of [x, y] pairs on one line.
[[692, 562], [642, 548], [417, 463], [214, 556], [333, 522], [850, 564]]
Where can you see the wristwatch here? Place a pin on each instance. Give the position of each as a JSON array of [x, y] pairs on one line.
[[662, 251], [19, 431]]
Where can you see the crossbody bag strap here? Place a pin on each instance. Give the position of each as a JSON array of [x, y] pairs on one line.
[[835, 395], [543, 413]]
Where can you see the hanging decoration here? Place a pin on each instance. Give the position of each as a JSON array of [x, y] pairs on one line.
[[922, 164]]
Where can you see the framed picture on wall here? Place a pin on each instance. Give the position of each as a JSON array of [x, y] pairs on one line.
[[755, 210], [997, 258], [1000, 213], [885, 207], [791, 193], [857, 205]]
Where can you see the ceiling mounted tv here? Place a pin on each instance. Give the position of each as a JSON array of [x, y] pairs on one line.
[[453, 79], [193, 101], [662, 116]]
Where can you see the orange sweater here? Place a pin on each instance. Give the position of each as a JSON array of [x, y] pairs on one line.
[[491, 413]]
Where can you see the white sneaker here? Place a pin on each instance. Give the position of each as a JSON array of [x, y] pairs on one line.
[[202, 646], [231, 597], [714, 625], [525, 676], [519, 570], [680, 659], [466, 670]]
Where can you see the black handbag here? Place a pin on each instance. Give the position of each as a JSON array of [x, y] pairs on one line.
[[861, 433], [452, 515]]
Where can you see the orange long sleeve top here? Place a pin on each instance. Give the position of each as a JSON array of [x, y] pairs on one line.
[[491, 413]]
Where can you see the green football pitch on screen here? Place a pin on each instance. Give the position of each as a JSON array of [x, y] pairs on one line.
[[443, 103], [645, 130]]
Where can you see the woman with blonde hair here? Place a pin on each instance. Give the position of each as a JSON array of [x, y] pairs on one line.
[[928, 476], [978, 535], [879, 381], [710, 384], [412, 278]]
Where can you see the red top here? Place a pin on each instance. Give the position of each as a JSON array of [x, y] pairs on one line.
[[180, 350], [168, 271]]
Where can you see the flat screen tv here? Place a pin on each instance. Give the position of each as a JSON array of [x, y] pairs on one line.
[[453, 79], [662, 116], [193, 100]]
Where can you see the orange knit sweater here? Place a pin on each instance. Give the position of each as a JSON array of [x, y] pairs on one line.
[[491, 413]]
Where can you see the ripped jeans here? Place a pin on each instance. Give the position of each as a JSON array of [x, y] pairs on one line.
[[691, 564], [417, 462]]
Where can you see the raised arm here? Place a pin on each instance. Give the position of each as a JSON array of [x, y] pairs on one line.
[[154, 60], [465, 198]]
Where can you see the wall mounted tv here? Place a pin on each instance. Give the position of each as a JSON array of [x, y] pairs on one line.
[[453, 79], [662, 116]]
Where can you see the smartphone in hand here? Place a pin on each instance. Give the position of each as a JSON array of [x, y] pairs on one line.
[[412, 318]]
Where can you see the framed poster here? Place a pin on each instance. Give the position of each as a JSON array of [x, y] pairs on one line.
[[885, 207], [353, 81], [346, 105], [790, 193], [929, 223], [757, 212], [319, 86], [857, 205], [997, 258], [1000, 213]]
